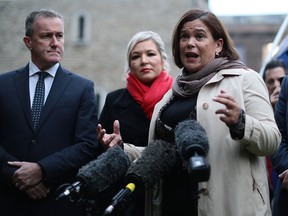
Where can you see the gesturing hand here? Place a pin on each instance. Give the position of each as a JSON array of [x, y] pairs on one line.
[[108, 140], [232, 111]]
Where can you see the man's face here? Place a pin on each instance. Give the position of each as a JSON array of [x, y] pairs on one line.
[[47, 42], [272, 79]]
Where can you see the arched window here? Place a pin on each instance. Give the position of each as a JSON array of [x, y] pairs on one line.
[[81, 28]]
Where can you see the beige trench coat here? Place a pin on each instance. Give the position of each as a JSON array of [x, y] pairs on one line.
[[238, 181]]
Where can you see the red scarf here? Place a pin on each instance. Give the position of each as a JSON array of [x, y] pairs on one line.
[[148, 96]]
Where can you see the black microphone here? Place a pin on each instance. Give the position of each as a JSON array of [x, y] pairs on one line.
[[122, 195], [192, 142], [70, 190], [99, 174], [156, 160]]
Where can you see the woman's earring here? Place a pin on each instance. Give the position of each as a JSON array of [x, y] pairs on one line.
[[217, 54]]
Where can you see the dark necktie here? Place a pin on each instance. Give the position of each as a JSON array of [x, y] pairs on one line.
[[38, 100]]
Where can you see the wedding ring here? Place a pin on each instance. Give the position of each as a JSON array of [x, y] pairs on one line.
[[227, 111]]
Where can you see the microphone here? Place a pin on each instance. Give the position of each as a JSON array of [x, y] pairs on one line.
[[192, 142], [99, 174], [119, 197], [71, 189], [157, 159]]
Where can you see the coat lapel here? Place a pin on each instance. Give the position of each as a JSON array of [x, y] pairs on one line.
[[22, 87], [61, 80]]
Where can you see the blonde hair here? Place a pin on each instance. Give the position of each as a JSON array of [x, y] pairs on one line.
[[143, 36]]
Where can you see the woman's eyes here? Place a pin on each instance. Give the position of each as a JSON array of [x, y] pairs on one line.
[[135, 57], [151, 54]]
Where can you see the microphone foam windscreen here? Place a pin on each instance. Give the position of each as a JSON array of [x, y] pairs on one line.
[[189, 134], [109, 167], [158, 158]]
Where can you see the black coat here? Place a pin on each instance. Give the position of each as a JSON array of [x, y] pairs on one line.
[[134, 129], [280, 158], [134, 124]]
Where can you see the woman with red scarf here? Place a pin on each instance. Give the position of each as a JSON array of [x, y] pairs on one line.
[[132, 107]]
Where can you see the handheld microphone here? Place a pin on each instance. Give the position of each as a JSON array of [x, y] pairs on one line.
[[156, 160], [99, 174], [119, 197], [74, 188], [192, 142]]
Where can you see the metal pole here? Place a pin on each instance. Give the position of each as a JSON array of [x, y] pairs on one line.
[[275, 43]]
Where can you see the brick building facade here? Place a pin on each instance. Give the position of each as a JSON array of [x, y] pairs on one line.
[[97, 33]]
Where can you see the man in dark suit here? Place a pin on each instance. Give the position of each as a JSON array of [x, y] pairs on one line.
[[35, 161]]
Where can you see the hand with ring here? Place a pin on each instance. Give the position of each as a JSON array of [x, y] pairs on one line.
[[231, 112]]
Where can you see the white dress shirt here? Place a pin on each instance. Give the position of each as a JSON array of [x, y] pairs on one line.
[[33, 78]]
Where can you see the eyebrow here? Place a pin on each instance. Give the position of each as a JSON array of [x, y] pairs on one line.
[[194, 29], [150, 50], [200, 29]]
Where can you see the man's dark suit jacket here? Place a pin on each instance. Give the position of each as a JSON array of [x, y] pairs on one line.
[[280, 158], [64, 140]]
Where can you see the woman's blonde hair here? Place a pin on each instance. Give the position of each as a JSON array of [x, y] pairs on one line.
[[143, 36]]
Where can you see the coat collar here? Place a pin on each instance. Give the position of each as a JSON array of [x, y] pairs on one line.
[[227, 72]]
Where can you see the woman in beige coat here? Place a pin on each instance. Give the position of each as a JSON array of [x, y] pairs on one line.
[[231, 102]]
